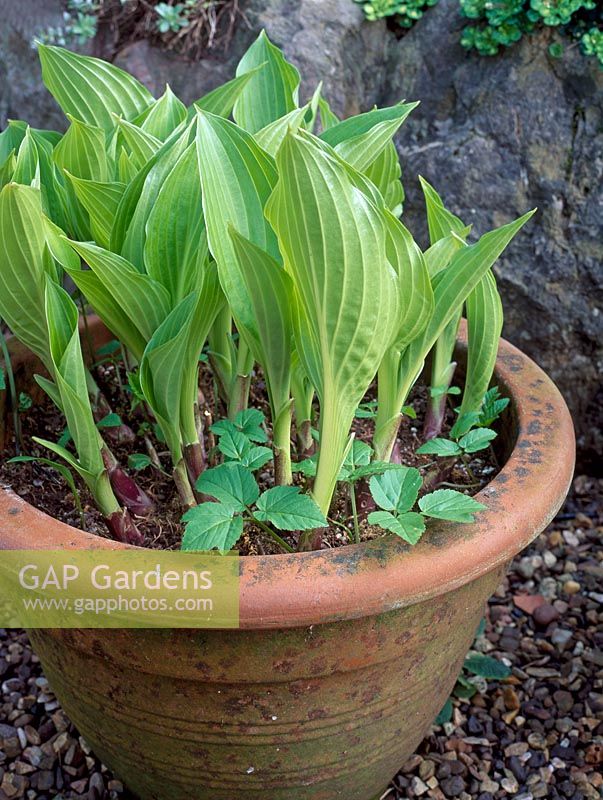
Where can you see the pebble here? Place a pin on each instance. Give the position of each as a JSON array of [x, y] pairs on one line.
[[418, 787], [571, 587], [561, 637], [510, 785], [452, 787], [545, 614]]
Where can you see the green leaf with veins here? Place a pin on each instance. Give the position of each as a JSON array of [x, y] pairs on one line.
[[307, 467], [138, 461], [231, 484], [440, 447], [464, 423], [408, 526], [396, 490], [211, 526], [477, 439], [256, 457], [450, 505], [289, 510], [233, 444], [359, 455], [486, 667]]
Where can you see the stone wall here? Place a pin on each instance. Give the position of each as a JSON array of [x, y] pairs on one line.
[[496, 136]]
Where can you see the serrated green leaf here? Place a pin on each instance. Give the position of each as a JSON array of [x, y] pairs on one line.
[[250, 421], [234, 444], [289, 510], [486, 667], [477, 440], [450, 505], [358, 455], [90, 89], [307, 467], [408, 526], [273, 90], [256, 457], [396, 489], [440, 447], [231, 484], [139, 461], [374, 468], [463, 424], [211, 526]]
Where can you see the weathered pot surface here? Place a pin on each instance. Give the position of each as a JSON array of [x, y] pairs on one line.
[[343, 658]]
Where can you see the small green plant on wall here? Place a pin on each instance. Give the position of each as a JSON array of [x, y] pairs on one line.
[[500, 24]]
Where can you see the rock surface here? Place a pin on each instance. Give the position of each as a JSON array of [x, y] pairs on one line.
[[496, 136]]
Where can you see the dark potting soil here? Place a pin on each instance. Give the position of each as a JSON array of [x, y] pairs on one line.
[[43, 487]]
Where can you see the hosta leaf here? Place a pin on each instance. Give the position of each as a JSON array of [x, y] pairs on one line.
[[27, 164], [289, 510], [22, 277], [397, 489], [361, 149], [231, 484], [452, 286], [70, 376], [486, 667], [439, 447], [237, 178], [141, 144], [7, 169], [439, 255], [333, 241], [81, 152], [477, 440], [450, 505], [63, 471], [328, 119], [90, 89], [101, 201], [272, 92], [129, 232], [221, 101], [440, 221], [211, 526], [143, 301], [409, 526], [59, 450], [164, 116], [270, 137], [415, 292], [165, 369], [270, 292], [361, 124], [484, 325], [176, 242], [385, 172], [11, 138]]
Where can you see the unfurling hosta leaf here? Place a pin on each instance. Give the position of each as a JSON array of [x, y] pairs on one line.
[[27, 163], [24, 267], [386, 173], [450, 505], [397, 489], [133, 305], [90, 89], [164, 116], [101, 201], [408, 526], [367, 135], [175, 250], [440, 447], [141, 145], [289, 510], [82, 152], [270, 137], [211, 526], [273, 90], [221, 101], [333, 242], [129, 232], [231, 484], [484, 326]]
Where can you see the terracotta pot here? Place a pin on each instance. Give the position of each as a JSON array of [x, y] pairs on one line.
[[343, 658]]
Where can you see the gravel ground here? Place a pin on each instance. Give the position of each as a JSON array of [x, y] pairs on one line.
[[536, 734]]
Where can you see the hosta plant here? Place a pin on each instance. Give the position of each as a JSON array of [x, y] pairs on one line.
[[251, 243]]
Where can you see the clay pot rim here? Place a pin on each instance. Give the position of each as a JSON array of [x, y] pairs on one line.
[[306, 589]]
